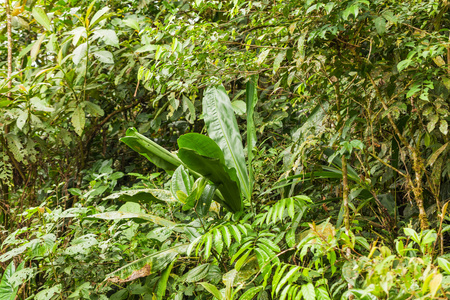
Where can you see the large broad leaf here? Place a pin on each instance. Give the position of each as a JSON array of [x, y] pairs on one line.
[[119, 215], [223, 129], [7, 290], [143, 196], [161, 157], [147, 265], [202, 155]]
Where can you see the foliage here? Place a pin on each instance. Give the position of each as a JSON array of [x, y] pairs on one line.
[[324, 173]]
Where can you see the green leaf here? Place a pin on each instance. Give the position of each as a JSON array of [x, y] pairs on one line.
[[413, 234], [322, 293], [146, 48], [218, 242], [36, 47], [444, 264], [294, 271], [78, 120], [48, 293], [205, 200], [104, 56], [202, 155], [108, 36], [132, 22], [435, 155], [308, 291], [41, 17], [251, 292], [143, 196], [443, 127], [119, 215], [222, 128], [159, 156], [93, 108], [22, 119], [278, 59], [213, 290], [7, 290], [238, 107], [351, 10], [380, 25], [226, 235], [242, 259], [162, 282], [146, 265], [403, 64], [251, 98], [262, 57], [98, 16], [197, 273], [79, 53], [181, 181]]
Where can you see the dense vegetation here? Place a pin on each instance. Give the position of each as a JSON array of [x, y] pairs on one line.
[[224, 149]]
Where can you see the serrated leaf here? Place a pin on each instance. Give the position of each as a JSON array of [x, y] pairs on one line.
[[380, 25], [78, 120], [41, 17]]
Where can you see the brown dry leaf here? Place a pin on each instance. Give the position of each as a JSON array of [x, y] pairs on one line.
[[143, 272]]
